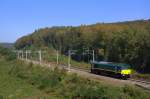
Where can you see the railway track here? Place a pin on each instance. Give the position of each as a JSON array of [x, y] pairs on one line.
[[141, 83], [86, 72]]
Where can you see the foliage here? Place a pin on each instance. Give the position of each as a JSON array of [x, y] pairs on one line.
[[127, 42], [130, 93], [21, 80], [7, 53], [70, 86], [12, 87]]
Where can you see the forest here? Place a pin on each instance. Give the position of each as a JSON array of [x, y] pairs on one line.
[[125, 42]]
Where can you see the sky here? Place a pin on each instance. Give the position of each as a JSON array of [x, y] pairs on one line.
[[22, 17]]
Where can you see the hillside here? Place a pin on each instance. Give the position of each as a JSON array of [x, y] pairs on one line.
[[20, 80], [127, 42]]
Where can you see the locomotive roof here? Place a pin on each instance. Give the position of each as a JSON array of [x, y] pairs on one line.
[[111, 64]]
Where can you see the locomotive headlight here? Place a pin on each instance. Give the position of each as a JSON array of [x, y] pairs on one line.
[[126, 71]]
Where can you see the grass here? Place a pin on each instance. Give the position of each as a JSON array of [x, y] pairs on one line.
[[19, 80], [30, 81], [12, 87]]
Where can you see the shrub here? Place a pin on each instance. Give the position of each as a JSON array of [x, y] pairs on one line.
[[7, 53], [71, 86], [49, 80], [1, 97], [131, 92], [90, 92]]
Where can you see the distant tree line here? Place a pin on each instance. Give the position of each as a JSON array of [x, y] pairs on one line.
[[6, 53], [7, 45], [127, 42]]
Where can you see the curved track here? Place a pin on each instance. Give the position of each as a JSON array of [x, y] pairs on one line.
[[86, 73]]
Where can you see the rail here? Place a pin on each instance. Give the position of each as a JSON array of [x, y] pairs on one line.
[[140, 83]]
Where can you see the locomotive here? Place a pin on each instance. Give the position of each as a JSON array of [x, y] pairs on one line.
[[119, 70]]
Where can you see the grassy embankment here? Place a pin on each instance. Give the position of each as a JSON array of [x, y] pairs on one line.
[[12, 87], [21, 81]]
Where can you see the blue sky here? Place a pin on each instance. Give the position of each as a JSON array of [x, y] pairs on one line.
[[21, 17]]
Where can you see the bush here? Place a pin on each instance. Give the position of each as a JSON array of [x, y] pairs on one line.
[[7, 53], [1, 97], [49, 80], [91, 92], [71, 86], [131, 92]]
